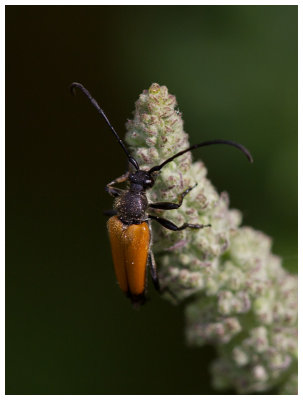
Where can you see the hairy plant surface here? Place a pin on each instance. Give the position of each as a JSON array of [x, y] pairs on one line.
[[242, 300]]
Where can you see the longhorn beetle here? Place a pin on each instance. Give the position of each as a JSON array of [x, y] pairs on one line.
[[129, 226]]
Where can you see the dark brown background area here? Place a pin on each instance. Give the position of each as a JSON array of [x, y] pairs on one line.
[[69, 330]]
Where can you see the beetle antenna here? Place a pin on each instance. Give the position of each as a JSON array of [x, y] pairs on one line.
[[100, 111], [208, 143]]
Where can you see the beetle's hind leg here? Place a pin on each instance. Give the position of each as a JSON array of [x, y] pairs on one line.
[[153, 270], [172, 227], [155, 278]]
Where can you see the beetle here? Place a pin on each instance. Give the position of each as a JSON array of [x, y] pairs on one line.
[[129, 225]]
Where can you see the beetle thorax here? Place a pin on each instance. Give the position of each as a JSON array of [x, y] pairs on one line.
[[131, 207]]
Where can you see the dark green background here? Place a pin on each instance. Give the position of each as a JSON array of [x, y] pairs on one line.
[[69, 330]]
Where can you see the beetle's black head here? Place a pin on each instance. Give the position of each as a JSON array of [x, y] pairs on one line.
[[141, 180]]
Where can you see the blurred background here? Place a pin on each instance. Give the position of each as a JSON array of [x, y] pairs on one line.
[[69, 329]]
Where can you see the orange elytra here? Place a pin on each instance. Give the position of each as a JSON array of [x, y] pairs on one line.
[[130, 247]]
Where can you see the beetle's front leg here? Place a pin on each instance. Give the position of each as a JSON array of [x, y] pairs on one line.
[[115, 192], [121, 179], [172, 206]]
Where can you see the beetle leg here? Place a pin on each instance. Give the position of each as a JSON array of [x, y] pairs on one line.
[[172, 227], [155, 278], [172, 206], [115, 192], [121, 179], [153, 270]]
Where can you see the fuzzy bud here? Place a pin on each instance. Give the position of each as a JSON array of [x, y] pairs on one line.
[[245, 303]]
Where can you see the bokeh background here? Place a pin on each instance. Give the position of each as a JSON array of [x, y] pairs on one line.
[[69, 330]]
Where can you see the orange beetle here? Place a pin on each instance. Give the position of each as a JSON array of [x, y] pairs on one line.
[[129, 226]]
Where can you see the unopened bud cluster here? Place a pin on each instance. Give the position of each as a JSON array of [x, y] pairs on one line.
[[245, 302]]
